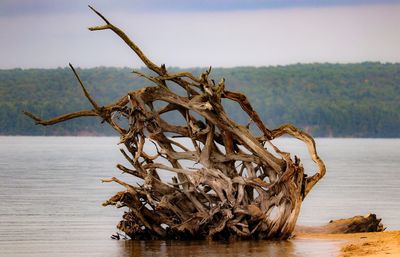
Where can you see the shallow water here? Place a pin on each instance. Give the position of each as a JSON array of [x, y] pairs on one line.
[[51, 195]]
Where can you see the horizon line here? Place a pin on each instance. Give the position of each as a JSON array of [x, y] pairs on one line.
[[213, 67]]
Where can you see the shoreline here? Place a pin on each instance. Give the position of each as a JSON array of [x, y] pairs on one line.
[[376, 244]]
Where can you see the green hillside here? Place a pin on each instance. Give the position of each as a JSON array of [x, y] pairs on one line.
[[340, 100]]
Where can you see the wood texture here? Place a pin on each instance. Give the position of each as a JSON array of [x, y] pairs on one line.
[[228, 183]]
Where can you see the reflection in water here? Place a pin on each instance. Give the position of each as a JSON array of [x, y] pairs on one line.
[[292, 248]]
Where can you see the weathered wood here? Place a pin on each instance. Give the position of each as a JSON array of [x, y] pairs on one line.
[[356, 224], [238, 188]]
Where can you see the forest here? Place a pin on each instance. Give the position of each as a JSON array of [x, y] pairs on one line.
[[326, 100]]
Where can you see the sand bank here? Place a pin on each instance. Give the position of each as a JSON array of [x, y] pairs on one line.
[[363, 244]]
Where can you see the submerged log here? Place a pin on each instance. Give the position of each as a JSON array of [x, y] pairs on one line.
[[230, 182], [356, 224]]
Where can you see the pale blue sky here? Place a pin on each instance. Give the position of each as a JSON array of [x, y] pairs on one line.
[[187, 33], [23, 7]]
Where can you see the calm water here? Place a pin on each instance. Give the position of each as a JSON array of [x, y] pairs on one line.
[[51, 195]]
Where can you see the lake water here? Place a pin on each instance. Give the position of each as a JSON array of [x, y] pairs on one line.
[[51, 195]]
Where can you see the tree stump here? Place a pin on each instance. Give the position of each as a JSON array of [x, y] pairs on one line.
[[238, 183]]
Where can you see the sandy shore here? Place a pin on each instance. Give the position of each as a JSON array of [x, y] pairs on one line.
[[364, 244]]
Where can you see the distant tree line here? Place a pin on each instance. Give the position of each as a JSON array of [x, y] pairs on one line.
[[339, 100]]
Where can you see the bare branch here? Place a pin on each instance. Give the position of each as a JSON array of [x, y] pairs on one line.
[[94, 104], [61, 118], [309, 141], [99, 14], [129, 42]]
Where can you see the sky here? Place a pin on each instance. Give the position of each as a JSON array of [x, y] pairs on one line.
[[199, 33]]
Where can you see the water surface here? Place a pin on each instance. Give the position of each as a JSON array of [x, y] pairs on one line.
[[51, 195]]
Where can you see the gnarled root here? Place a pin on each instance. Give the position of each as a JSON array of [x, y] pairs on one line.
[[224, 181]]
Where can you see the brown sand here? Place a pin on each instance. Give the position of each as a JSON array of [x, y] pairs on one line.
[[376, 244]]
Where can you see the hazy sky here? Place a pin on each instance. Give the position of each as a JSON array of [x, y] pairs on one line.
[[187, 33]]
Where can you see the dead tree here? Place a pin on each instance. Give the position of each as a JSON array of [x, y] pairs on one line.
[[240, 184]]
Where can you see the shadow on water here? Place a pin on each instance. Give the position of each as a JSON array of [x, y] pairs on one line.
[[292, 248]]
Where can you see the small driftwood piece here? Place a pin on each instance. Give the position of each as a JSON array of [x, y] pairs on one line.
[[237, 185], [356, 224]]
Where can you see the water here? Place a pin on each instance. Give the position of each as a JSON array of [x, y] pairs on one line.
[[51, 195]]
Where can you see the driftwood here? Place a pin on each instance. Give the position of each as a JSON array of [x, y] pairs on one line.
[[229, 182], [356, 224]]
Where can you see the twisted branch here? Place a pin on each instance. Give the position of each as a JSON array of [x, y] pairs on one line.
[[226, 183]]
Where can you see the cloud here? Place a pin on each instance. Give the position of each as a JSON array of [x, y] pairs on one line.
[[236, 38]]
